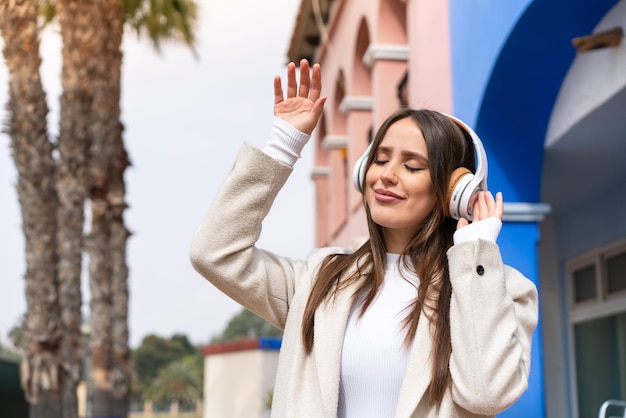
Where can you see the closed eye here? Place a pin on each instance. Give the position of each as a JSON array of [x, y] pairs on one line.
[[407, 166], [413, 169]]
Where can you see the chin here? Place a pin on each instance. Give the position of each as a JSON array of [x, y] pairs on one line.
[[389, 222]]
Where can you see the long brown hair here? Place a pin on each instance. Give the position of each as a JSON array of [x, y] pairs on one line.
[[448, 147]]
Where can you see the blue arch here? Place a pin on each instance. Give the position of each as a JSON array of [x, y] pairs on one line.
[[522, 89]]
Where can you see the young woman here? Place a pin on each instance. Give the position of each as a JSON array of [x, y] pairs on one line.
[[423, 320]]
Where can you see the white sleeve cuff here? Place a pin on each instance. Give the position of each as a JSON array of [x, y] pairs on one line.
[[486, 229], [285, 143]]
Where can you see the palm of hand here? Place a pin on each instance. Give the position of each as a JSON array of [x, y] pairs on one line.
[[297, 112]]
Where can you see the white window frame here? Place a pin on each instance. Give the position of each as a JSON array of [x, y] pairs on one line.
[[602, 306]]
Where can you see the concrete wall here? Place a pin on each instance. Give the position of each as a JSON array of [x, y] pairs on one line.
[[239, 380]]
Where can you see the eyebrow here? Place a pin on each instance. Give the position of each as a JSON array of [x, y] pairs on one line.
[[405, 153]]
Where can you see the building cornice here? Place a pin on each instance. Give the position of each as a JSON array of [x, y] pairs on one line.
[[389, 52], [350, 103], [335, 142], [320, 172], [525, 212]]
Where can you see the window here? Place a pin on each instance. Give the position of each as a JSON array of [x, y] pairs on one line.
[[598, 276], [585, 284], [597, 290], [600, 362], [616, 273]]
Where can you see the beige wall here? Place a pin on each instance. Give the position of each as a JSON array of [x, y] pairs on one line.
[[238, 384]]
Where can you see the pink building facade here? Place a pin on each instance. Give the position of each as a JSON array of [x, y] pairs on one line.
[[365, 71]]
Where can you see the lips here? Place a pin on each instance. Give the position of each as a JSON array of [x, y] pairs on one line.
[[386, 196]]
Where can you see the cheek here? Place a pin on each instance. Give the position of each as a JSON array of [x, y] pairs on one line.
[[369, 193], [370, 175], [425, 194], [431, 195], [370, 178], [419, 185], [432, 198]]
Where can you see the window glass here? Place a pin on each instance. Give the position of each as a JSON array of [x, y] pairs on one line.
[[616, 272], [585, 284], [600, 362]]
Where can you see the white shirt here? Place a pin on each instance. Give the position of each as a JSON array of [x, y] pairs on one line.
[[374, 357]]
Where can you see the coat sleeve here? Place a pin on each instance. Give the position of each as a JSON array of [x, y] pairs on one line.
[[223, 247], [493, 314]]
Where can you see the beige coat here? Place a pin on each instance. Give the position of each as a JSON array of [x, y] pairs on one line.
[[492, 315]]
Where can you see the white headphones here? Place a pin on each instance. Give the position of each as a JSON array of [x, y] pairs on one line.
[[464, 185]]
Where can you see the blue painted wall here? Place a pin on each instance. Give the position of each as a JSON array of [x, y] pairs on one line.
[[508, 62], [518, 242], [478, 30]]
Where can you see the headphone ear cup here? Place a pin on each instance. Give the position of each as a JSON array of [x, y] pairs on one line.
[[358, 173], [459, 179]]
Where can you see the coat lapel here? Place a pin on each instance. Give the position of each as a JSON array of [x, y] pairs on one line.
[[418, 372], [329, 328]]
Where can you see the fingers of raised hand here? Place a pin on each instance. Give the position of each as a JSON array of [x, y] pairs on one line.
[[292, 83], [461, 223], [480, 207], [278, 90], [499, 209], [310, 85], [316, 83], [486, 206], [305, 79]]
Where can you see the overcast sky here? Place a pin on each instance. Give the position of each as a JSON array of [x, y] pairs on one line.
[[185, 119]]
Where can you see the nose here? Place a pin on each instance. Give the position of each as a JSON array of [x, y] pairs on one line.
[[388, 175]]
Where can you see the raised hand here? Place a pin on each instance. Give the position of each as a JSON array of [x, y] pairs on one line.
[[303, 106], [485, 207]]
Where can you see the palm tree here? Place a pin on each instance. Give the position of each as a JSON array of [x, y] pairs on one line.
[[90, 164], [106, 242], [81, 24], [108, 236], [32, 154]]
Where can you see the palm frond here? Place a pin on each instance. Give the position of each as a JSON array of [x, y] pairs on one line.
[[163, 20], [47, 11]]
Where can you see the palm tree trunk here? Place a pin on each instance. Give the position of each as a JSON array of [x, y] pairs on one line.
[[78, 21], [108, 282], [32, 154], [122, 370]]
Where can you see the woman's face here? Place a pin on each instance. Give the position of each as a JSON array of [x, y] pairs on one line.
[[398, 188]]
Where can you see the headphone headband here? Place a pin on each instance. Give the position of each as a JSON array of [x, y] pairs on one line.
[[464, 186]]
